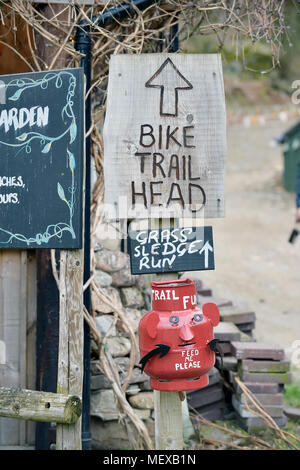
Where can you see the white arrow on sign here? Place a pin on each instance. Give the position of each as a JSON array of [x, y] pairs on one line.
[[165, 75], [206, 248]]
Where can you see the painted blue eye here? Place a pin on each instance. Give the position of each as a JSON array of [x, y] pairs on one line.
[[174, 319], [197, 317]]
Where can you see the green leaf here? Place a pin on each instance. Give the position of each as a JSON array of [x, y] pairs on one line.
[[71, 160], [22, 137], [17, 95], [61, 192], [73, 131], [47, 147]]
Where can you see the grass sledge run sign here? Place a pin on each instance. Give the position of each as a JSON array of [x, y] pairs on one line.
[[164, 136], [171, 250], [41, 159]]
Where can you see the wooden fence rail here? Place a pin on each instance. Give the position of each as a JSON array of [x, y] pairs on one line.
[[39, 406]]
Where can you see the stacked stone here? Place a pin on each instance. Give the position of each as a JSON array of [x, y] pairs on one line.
[[242, 317], [126, 292], [264, 370], [208, 402]]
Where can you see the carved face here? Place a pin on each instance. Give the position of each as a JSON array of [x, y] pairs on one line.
[[179, 330]]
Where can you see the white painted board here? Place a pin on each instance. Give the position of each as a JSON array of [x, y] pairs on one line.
[[165, 136]]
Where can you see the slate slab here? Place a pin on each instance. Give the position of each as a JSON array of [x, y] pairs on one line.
[[265, 399], [261, 377], [229, 363], [241, 409], [237, 315], [205, 396], [225, 347], [256, 350], [292, 412], [252, 365], [203, 299], [269, 388], [255, 423], [227, 332]]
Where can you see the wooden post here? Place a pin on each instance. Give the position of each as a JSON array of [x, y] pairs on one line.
[[168, 421], [167, 405], [70, 357]]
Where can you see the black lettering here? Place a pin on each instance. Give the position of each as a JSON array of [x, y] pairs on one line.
[[190, 170], [185, 137], [134, 193], [171, 198], [174, 167], [191, 185], [171, 136], [183, 167], [143, 134], [158, 164], [159, 136], [152, 183], [142, 163]]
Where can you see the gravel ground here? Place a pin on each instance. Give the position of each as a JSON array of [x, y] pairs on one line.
[[255, 264]]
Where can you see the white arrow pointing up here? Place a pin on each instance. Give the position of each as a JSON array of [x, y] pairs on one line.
[[206, 248]]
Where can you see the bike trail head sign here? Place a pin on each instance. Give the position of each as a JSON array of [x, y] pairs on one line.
[[41, 159], [165, 136]]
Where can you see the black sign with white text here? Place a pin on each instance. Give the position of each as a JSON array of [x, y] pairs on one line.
[[171, 250], [41, 159]]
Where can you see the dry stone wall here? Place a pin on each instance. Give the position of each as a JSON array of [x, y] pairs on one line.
[[131, 294]]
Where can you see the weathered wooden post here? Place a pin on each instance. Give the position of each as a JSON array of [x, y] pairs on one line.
[[164, 145]]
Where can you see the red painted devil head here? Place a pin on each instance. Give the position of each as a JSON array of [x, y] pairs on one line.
[[175, 335]]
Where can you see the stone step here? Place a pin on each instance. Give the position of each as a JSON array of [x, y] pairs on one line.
[[256, 350]]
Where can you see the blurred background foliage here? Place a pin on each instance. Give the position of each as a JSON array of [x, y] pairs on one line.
[[249, 75]]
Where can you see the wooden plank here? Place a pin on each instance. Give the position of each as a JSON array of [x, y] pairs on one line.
[[165, 136], [31, 302], [70, 361], [23, 332], [39, 406], [10, 433], [251, 350]]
